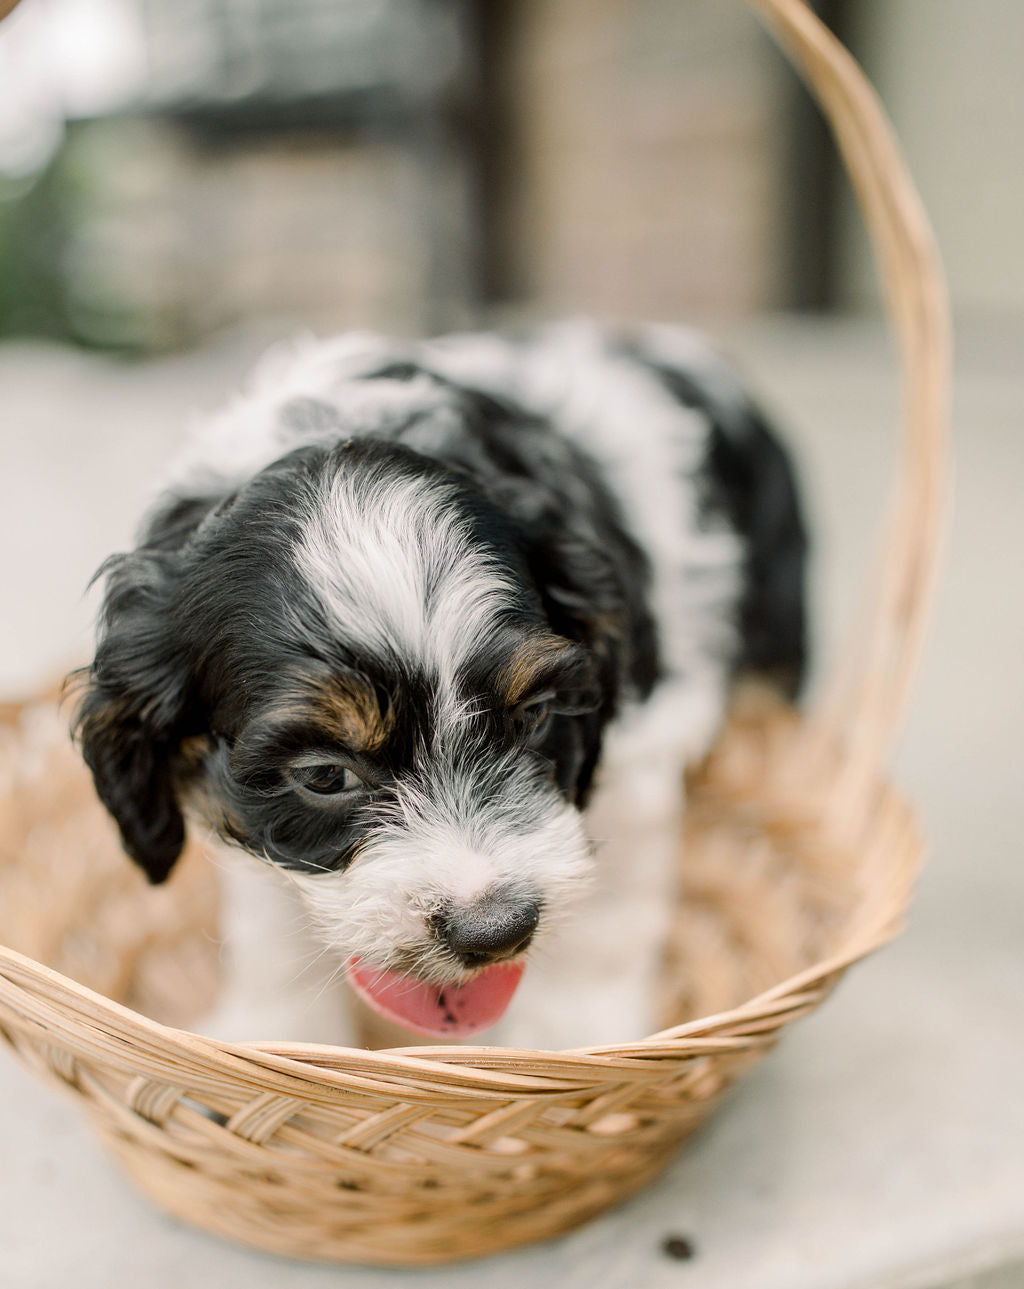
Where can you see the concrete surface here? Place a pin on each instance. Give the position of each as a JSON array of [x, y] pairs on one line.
[[882, 1146]]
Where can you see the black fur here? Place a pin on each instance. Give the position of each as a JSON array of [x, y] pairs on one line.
[[751, 478], [132, 718]]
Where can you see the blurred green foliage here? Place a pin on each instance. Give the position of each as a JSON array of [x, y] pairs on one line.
[[33, 232]]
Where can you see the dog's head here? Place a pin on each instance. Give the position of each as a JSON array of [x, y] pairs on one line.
[[367, 668]]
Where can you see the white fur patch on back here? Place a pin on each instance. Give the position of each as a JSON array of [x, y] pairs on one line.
[[248, 434]]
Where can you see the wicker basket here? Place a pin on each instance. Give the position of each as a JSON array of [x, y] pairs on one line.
[[799, 860]]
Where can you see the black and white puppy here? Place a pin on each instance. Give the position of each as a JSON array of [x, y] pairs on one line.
[[434, 629]]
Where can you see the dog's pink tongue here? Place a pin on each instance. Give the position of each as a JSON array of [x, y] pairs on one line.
[[445, 1011]]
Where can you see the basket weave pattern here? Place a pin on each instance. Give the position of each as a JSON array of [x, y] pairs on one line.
[[799, 860]]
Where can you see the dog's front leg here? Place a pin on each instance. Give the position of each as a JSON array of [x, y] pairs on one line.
[[278, 983]]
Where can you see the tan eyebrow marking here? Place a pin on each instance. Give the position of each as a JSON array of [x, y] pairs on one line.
[[353, 711], [529, 664], [346, 709]]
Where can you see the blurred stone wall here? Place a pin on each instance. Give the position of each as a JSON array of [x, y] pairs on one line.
[[169, 238], [644, 164]]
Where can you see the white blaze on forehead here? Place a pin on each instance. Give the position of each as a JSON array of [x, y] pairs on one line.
[[395, 567]]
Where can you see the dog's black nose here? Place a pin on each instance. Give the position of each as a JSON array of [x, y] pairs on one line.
[[495, 927]]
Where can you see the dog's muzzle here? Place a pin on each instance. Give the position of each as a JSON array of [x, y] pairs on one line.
[[492, 929]]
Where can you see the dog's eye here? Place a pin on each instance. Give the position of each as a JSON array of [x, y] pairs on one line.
[[533, 718], [328, 779]]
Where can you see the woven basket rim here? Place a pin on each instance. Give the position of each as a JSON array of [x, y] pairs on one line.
[[798, 993]]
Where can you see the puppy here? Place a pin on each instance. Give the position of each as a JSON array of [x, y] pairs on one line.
[[434, 630]]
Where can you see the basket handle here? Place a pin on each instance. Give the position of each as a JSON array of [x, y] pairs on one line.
[[863, 700]]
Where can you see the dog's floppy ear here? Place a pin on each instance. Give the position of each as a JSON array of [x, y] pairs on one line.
[[129, 719], [593, 581], [591, 576]]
